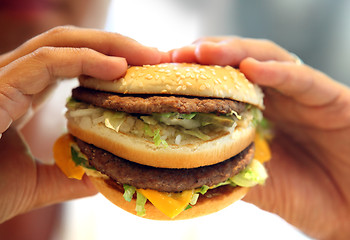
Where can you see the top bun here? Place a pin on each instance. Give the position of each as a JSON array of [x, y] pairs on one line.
[[182, 79]]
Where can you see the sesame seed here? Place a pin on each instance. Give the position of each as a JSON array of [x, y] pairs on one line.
[[202, 87], [149, 76], [178, 88], [188, 84]]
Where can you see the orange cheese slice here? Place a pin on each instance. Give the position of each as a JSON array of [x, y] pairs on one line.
[[262, 149], [171, 204], [63, 157]]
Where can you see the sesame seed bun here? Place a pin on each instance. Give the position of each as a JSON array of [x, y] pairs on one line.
[[183, 79], [204, 206]]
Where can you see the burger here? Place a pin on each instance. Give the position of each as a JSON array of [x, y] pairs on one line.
[[167, 141]]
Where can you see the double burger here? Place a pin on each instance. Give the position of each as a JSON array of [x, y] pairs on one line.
[[167, 141]]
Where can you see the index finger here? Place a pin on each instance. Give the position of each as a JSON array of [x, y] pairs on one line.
[[108, 43], [230, 51]]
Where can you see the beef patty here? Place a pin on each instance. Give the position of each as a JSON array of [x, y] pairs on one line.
[[148, 104], [163, 179]]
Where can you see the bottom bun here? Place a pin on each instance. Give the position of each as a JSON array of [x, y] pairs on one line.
[[223, 197]]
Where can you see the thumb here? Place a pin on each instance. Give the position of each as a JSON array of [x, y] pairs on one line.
[[54, 187], [298, 81], [26, 184]]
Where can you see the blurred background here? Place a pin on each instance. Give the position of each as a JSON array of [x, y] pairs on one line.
[[318, 31]]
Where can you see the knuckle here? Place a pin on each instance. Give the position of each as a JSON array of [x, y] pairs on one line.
[[42, 52], [59, 30]]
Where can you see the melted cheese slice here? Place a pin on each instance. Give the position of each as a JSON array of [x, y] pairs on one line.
[[63, 157], [171, 204], [262, 149]]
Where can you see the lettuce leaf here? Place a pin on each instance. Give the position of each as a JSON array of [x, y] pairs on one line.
[[128, 192], [79, 158], [255, 173], [156, 136], [140, 204]]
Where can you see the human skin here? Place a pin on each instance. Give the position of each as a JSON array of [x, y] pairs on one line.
[[310, 114], [26, 74]]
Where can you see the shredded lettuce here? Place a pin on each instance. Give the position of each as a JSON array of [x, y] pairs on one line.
[[214, 119], [71, 103], [114, 120], [156, 136], [148, 130], [128, 192], [197, 133], [203, 189], [257, 115], [157, 139], [174, 115], [177, 119], [149, 120], [194, 199], [255, 173], [79, 158], [140, 204]]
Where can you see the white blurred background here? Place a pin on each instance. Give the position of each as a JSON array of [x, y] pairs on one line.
[[316, 30]]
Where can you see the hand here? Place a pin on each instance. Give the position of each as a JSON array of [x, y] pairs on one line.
[[310, 113], [26, 75]]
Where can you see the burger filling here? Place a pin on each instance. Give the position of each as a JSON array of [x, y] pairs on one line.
[[162, 119], [165, 120]]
